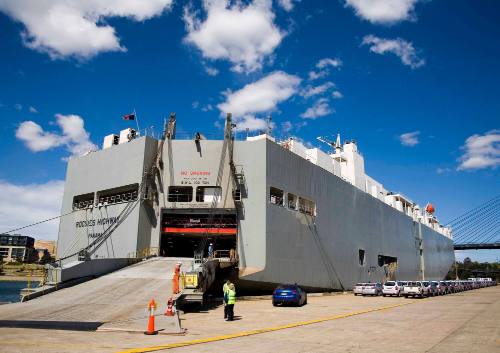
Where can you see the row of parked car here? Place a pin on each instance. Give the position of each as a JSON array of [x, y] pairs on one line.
[[420, 288]]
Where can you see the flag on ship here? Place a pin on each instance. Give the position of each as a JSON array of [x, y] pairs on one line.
[[129, 116]]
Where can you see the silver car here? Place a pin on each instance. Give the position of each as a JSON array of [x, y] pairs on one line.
[[358, 288], [372, 289], [415, 289], [392, 288]]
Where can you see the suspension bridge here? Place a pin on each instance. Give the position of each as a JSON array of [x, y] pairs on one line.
[[479, 228]]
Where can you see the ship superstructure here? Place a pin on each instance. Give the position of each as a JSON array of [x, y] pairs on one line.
[[279, 211]]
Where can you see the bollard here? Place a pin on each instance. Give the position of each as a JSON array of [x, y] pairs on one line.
[[151, 322]]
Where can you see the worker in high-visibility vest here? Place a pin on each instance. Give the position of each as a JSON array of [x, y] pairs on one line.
[[225, 289], [231, 300]]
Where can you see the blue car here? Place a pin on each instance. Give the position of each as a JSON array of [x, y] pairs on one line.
[[290, 294]]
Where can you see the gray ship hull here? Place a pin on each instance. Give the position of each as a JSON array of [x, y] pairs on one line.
[[274, 243]]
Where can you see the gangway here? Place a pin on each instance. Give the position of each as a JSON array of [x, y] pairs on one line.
[[118, 299]]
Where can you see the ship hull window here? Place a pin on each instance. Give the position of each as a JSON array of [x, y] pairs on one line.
[[180, 193], [292, 202], [386, 260], [307, 206], [208, 193], [83, 201], [276, 196], [361, 257]]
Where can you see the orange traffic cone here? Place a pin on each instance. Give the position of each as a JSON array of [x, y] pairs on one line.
[[151, 321], [170, 305]]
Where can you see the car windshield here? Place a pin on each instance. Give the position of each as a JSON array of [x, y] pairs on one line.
[[371, 285], [359, 284], [413, 284], [390, 283], [425, 283]]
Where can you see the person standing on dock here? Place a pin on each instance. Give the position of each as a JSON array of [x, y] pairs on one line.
[[225, 289], [211, 250], [231, 300]]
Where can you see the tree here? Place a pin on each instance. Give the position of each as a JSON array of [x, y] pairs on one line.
[[46, 258]]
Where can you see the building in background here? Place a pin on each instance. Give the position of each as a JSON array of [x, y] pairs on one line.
[[15, 247]]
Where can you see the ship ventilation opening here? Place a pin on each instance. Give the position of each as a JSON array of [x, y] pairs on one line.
[[184, 233]]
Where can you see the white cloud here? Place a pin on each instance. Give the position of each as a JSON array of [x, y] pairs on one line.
[[337, 95], [481, 151], [207, 108], [33, 110], [261, 96], [314, 75], [323, 66], [383, 11], [287, 5], [443, 170], [18, 106], [310, 91], [73, 136], [77, 28], [286, 126], [409, 138], [21, 205], [251, 123], [399, 47], [244, 35], [320, 108], [323, 63], [212, 71]]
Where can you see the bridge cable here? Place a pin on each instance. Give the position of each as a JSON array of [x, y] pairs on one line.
[[480, 230], [478, 221], [469, 213], [486, 211], [477, 225]]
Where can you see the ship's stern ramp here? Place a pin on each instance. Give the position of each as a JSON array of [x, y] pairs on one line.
[[116, 300]]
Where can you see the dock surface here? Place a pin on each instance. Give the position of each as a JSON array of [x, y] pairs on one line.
[[462, 322]]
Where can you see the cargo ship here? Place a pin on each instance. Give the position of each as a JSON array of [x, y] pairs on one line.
[[277, 211]]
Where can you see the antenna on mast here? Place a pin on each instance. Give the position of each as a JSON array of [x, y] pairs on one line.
[[269, 122], [324, 140]]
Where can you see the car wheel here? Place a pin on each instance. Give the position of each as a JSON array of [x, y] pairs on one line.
[[275, 304], [383, 295]]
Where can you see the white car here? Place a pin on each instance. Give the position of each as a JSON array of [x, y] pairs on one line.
[[392, 288], [415, 289], [372, 289], [358, 289]]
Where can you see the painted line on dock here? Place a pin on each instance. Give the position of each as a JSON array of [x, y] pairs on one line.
[[258, 331]]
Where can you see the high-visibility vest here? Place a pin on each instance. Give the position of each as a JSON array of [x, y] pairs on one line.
[[231, 297]]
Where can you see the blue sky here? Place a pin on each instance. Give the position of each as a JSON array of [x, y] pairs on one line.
[[414, 82]]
